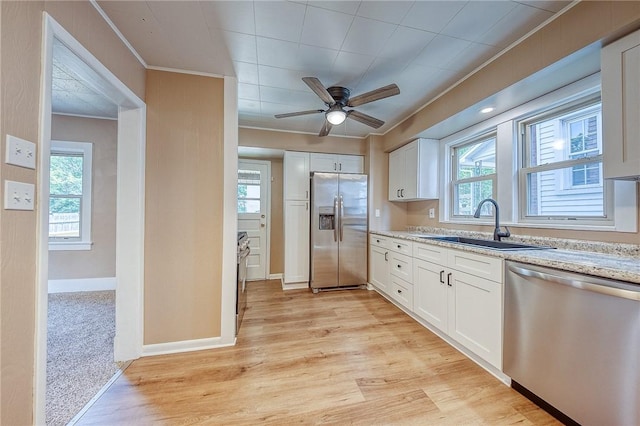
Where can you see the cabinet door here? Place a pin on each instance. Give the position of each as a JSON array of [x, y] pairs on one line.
[[475, 316], [430, 293], [323, 162], [621, 107], [411, 163], [296, 175], [350, 164], [296, 241], [396, 174], [379, 268]]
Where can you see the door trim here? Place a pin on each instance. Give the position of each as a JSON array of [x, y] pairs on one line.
[[129, 211], [267, 266]]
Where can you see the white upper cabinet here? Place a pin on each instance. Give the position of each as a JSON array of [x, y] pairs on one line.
[[413, 171], [296, 175], [338, 163], [621, 107]]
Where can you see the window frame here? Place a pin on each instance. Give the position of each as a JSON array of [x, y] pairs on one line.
[[509, 157], [84, 241], [453, 176], [523, 145]]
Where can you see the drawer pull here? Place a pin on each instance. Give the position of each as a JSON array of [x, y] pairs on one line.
[[386, 253], [399, 291], [399, 246], [399, 266]]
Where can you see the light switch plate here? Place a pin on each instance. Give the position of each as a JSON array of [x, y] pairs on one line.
[[432, 213], [377, 212], [20, 152], [18, 195]]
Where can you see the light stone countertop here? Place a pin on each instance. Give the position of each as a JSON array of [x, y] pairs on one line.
[[624, 266]]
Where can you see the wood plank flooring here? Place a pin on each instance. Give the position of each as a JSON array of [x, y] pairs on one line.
[[342, 357]]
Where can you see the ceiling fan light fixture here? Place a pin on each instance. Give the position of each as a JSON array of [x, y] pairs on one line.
[[336, 116]]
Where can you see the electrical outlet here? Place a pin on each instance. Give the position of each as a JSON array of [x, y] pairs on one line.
[[18, 195], [432, 213], [20, 152], [377, 212]]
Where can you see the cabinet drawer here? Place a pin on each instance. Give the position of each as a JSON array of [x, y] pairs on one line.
[[378, 241], [402, 292], [487, 267], [401, 266], [401, 246], [430, 253]]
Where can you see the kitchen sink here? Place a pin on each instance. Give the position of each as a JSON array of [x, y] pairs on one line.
[[490, 244]]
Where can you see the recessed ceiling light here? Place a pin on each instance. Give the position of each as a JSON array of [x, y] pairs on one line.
[[486, 110]]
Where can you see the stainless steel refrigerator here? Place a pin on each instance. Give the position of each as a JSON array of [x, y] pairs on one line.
[[338, 230]]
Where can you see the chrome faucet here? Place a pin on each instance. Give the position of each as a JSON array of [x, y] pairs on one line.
[[497, 234]]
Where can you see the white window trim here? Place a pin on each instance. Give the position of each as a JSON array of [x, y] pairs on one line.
[[508, 157], [84, 242]]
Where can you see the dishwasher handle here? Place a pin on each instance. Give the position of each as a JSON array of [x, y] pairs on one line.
[[608, 288]]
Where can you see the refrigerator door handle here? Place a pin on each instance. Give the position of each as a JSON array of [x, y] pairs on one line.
[[335, 218], [341, 216]]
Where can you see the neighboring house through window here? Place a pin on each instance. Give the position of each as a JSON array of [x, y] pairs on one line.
[[70, 195]]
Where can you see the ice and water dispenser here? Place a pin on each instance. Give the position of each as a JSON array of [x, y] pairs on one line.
[[327, 219]]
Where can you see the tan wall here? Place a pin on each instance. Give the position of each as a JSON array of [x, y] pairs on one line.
[[184, 193], [277, 219], [300, 142], [100, 261], [21, 39], [392, 215]]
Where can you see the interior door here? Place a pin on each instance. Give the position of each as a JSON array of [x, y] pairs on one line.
[[253, 211]]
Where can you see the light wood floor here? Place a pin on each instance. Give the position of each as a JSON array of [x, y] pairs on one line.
[[343, 357]]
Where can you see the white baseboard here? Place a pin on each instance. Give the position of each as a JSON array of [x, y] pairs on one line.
[[82, 284], [275, 276], [184, 346], [295, 286]]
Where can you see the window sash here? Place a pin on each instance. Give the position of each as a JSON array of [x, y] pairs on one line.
[[457, 182]]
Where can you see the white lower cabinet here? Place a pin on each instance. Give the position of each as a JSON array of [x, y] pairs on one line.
[[379, 266], [296, 237], [475, 315], [455, 291], [468, 308]]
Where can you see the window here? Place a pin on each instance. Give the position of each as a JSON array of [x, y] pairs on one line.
[[473, 174], [70, 196], [561, 177], [248, 191]]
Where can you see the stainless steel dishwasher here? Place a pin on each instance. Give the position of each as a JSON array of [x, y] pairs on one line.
[[574, 341]]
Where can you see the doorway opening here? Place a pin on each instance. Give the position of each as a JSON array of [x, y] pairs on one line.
[[127, 272]]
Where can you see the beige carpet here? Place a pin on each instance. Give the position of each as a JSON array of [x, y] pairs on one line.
[[81, 327]]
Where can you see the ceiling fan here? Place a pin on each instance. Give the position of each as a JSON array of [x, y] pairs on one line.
[[337, 98]]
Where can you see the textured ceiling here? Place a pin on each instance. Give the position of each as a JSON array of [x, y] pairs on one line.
[[423, 46]]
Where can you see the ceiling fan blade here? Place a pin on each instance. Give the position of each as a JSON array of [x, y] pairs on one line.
[[294, 114], [319, 89], [326, 128], [374, 95], [365, 119]]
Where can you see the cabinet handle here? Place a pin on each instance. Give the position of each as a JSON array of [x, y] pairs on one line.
[[340, 167], [442, 276], [307, 205], [402, 192], [385, 256], [334, 167], [306, 194], [399, 246], [399, 266], [449, 280], [378, 241], [398, 193], [399, 291]]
